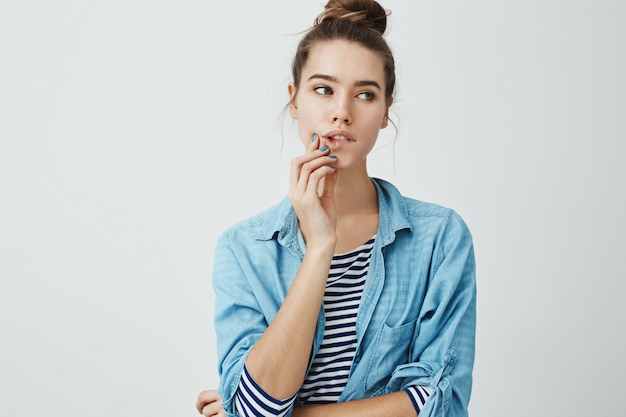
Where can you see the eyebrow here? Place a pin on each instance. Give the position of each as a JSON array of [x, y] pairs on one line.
[[335, 80]]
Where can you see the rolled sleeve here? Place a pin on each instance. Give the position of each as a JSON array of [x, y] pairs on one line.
[[239, 321], [443, 350]]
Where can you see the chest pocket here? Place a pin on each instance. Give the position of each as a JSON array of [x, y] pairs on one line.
[[390, 349]]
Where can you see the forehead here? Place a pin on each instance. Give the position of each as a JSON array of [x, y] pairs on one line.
[[347, 61]]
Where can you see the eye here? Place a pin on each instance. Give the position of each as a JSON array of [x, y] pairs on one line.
[[366, 95], [323, 90]]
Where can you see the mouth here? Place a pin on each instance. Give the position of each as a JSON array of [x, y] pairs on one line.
[[337, 138]]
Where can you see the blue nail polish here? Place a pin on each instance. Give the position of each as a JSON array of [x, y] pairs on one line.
[[332, 156], [314, 138], [324, 148]]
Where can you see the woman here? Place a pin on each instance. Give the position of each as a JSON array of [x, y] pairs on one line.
[[346, 298]]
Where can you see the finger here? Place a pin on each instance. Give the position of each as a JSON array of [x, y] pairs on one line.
[[303, 166], [207, 397], [315, 179], [312, 170], [328, 187], [315, 143], [296, 163], [212, 409]]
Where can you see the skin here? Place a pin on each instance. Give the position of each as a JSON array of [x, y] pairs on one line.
[[209, 404], [341, 91]]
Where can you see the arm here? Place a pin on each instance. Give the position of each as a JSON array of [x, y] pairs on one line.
[[243, 316], [279, 360], [396, 404], [210, 404]]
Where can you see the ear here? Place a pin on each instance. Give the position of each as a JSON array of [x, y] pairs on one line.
[[385, 121], [293, 108]]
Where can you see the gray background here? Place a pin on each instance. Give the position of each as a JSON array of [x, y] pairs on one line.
[[133, 132]]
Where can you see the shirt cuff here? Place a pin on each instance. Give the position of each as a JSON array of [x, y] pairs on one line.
[[251, 400], [418, 395]]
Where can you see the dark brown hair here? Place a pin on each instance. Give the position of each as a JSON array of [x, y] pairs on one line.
[[360, 21]]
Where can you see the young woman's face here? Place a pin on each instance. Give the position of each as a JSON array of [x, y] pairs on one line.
[[341, 98]]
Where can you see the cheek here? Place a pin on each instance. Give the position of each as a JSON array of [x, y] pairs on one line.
[[306, 127], [304, 132], [303, 136]]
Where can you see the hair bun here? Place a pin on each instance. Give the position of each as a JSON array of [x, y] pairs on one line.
[[367, 13]]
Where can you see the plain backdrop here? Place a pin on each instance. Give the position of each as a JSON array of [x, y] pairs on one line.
[[134, 132]]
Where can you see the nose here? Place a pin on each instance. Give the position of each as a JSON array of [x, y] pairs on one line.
[[342, 112]]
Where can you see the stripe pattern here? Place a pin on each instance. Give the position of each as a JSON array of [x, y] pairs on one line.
[[418, 395], [331, 366], [251, 400]]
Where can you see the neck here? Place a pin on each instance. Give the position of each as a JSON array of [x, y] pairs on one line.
[[355, 193]]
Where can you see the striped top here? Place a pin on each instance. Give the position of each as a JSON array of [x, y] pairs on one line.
[[331, 365]]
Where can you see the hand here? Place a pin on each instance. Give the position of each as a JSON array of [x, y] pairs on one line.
[[312, 193], [209, 403]]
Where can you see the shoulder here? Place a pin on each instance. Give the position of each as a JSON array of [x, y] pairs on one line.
[[413, 208], [445, 223], [418, 209], [420, 216]]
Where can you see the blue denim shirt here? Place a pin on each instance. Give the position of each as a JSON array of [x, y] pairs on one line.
[[417, 320]]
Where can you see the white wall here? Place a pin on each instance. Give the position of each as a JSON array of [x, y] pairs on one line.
[[133, 132]]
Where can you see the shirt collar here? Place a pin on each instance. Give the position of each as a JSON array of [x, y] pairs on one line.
[[282, 223]]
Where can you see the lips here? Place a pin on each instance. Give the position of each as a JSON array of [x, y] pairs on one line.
[[338, 136]]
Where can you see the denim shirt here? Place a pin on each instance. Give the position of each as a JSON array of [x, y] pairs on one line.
[[417, 319]]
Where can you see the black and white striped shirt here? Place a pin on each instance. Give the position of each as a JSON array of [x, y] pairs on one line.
[[331, 366]]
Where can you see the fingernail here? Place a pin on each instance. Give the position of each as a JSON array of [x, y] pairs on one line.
[[324, 148], [332, 156], [314, 138]]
